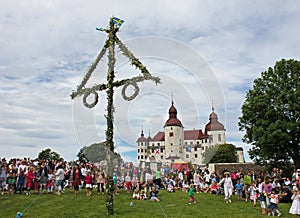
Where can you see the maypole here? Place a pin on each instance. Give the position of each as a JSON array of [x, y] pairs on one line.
[[110, 44]]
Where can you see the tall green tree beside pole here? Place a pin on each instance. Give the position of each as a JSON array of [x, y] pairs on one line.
[[271, 115], [112, 40]]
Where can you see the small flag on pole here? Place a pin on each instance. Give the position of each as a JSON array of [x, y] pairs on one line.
[[117, 21], [101, 29]]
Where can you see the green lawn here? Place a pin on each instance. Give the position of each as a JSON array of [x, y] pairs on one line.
[[172, 205]]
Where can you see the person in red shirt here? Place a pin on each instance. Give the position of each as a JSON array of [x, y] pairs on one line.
[[89, 183], [30, 177]]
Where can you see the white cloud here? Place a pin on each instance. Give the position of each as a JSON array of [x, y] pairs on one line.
[[46, 47]]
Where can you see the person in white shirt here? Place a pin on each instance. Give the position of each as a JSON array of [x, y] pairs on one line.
[[228, 186]]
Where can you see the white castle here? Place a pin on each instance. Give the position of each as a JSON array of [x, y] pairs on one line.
[[178, 145]]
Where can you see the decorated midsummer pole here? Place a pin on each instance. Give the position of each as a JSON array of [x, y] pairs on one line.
[[110, 44]]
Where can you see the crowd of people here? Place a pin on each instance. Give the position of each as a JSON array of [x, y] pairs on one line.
[[18, 176]]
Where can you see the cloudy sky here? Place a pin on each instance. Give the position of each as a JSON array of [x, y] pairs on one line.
[[205, 52]]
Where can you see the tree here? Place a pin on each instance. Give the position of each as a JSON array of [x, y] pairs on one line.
[[47, 154], [96, 153], [81, 156], [270, 115], [224, 153]]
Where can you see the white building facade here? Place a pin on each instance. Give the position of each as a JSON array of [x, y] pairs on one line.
[[175, 144]]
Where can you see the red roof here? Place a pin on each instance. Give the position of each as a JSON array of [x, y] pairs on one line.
[[213, 123], [194, 134], [160, 136], [173, 120], [141, 139]]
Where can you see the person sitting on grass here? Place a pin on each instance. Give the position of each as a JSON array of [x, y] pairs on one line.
[[203, 187], [171, 187], [213, 189], [136, 194], [143, 195], [153, 194]]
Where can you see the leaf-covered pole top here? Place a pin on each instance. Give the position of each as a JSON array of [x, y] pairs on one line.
[[114, 26]]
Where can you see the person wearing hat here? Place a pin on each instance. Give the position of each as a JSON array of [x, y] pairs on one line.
[[228, 186]]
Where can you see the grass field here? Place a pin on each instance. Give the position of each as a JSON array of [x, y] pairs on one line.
[[172, 205]]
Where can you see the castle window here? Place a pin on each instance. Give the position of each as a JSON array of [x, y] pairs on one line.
[[171, 134], [198, 142], [152, 144], [203, 148], [161, 157], [138, 150], [158, 144], [142, 157], [161, 150], [152, 150], [171, 128], [187, 156], [171, 143], [191, 143], [195, 148], [185, 143], [219, 137], [205, 140], [196, 155]]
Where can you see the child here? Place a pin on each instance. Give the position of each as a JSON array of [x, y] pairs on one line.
[[239, 189], [153, 194], [50, 182], [185, 186], [143, 195], [136, 194], [88, 183], [11, 182], [274, 200], [128, 182], [252, 192], [36, 181], [134, 182], [213, 188], [295, 208], [30, 177], [20, 183], [191, 194], [171, 187], [262, 197], [116, 188]]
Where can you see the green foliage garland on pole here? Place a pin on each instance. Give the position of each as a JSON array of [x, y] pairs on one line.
[[109, 45]]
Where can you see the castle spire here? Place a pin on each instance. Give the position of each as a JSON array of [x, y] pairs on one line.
[[142, 131]]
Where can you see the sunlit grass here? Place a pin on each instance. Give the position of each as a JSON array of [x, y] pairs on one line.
[[172, 205]]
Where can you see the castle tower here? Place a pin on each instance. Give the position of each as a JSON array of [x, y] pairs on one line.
[[143, 144], [174, 136], [215, 129]]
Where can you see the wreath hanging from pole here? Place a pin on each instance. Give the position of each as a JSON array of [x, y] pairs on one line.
[[93, 104]]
